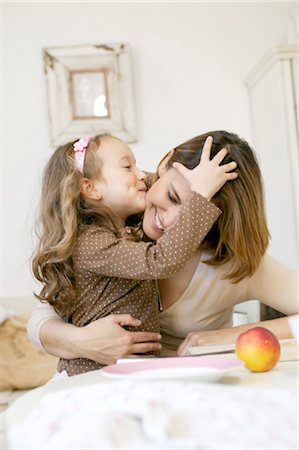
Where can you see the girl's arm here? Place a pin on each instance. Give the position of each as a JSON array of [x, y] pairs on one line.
[[100, 251], [104, 340]]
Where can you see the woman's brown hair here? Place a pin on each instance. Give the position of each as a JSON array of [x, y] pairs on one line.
[[240, 236]]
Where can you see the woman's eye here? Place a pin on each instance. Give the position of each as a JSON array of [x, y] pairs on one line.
[[172, 198], [128, 167]]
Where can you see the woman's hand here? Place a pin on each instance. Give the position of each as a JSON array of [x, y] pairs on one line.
[[280, 327], [208, 176], [105, 340], [212, 337]]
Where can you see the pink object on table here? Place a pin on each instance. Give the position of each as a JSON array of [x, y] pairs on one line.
[[208, 362]]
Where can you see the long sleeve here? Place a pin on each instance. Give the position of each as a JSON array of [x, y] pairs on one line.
[[100, 251], [41, 313]]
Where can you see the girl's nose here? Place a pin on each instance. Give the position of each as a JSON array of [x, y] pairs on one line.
[[140, 174]]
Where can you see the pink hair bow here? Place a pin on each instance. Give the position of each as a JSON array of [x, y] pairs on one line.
[[79, 149]]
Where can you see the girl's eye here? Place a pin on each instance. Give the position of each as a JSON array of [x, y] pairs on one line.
[[172, 198], [128, 167]]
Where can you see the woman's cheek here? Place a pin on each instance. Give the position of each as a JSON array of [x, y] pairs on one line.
[[146, 225], [172, 215]]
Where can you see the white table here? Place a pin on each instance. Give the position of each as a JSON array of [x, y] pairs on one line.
[[258, 389]]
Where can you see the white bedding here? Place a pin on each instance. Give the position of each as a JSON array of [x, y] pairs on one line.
[[160, 415]]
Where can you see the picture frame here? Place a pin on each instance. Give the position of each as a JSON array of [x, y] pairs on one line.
[[89, 91]]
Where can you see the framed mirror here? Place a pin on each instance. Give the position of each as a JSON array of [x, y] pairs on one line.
[[89, 94], [89, 91]]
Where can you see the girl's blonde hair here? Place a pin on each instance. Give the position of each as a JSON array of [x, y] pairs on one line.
[[64, 213], [240, 235]]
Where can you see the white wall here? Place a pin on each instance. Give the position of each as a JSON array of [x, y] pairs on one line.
[[189, 64]]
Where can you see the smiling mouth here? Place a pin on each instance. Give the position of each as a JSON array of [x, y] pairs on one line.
[[158, 222]]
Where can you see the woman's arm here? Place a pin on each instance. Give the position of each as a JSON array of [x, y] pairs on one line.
[[274, 285], [104, 340], [280, 327]]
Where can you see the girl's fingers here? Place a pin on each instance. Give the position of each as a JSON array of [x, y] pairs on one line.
[[231, 175], [219, 157], [229, 166], [181, 169], [206, 151]]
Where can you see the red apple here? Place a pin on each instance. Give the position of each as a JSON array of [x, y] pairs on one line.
[[258, 348]]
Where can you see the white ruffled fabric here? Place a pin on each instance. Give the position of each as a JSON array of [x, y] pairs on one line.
[[160, 415]]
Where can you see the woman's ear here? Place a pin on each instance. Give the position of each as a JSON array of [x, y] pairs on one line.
[[89, 190], [162, 166]]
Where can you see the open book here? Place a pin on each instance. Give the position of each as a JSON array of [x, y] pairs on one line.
[[211, 349], [289, 350]]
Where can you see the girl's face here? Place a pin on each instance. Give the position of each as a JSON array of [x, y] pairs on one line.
[[163, 202], [121, 185]]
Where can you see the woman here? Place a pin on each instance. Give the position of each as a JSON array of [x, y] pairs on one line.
[[230, 267]]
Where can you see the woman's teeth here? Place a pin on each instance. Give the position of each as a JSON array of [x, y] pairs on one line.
[[158, 222]]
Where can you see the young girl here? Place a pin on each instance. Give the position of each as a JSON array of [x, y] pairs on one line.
[[89, 260]]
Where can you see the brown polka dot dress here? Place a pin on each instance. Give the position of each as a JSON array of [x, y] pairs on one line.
[[116, 275]]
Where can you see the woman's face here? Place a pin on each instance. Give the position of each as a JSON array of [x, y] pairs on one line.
[[163, 202]]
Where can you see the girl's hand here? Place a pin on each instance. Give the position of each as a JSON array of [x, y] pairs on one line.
[[105, 340], [208, 177]]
